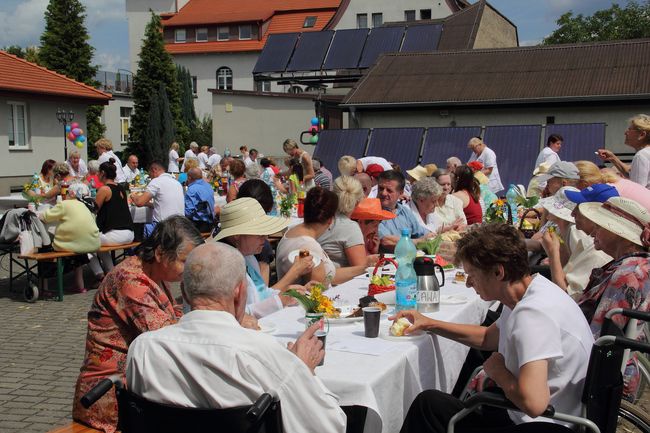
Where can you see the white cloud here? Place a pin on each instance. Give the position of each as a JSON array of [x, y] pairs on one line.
[[110, 61], [101, 12], [530, 43], [23, 24]]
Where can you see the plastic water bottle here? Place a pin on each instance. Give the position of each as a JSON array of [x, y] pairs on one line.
[[405, 278], [511, 198]]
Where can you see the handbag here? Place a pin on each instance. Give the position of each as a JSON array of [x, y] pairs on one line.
[[534, 221], [26, 238]]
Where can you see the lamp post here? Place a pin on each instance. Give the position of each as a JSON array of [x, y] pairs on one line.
[[64, 117]]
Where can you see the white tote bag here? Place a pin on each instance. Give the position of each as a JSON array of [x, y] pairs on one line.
[[26, 240]]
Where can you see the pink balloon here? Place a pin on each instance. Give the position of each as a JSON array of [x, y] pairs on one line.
[[74, 125]]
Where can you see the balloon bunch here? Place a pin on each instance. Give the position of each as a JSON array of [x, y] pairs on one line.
[[75, 134], [317, 124]]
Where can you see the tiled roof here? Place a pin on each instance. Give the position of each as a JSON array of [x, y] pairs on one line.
[[284, 22], [598, 71], [197, 12], [18, 75]]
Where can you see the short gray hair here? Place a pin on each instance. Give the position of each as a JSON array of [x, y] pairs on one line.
[[213, 270], [425, 188], [253, 171], [454, 160], [93, 166]]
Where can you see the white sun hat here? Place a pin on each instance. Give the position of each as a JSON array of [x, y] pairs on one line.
[[621, 216], [559, 205], [245, 216]]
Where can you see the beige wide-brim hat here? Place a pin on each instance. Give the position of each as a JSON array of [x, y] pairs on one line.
[[559, 205], [599, 214], [245, 216], [418, 172]]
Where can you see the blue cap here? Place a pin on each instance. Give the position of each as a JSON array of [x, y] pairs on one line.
[[406, 232], [598, 192]]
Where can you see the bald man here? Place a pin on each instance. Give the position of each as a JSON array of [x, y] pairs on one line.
[[199, 201], [131, 169]]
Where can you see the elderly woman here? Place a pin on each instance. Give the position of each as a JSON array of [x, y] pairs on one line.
[[104, 148], [174, 159], [113, 218], [637, 136], [135, 297], [450, 209], [321, 206], [92, 178], [343, 240], [77, 165], [369, 214], [245, 226], [68, 183], [467, 189], [238, 175], [425, 196]]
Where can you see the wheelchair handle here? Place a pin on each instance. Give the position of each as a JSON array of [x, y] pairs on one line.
[[628, 343], [260, 407], [98, 391]]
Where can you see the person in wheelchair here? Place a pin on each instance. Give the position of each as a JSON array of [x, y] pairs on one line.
[[541, 341], [208, 360], [199, 201]]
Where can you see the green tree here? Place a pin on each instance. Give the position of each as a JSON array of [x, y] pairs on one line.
[[155, 68], [160, 127], [65, 49], [188, 114], [30, 53], [615, 23], [202, 131]]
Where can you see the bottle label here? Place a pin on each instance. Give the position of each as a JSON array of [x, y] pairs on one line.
[[405, 294], [428, 297]]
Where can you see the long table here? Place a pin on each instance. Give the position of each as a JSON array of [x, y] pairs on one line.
[[385, 376]]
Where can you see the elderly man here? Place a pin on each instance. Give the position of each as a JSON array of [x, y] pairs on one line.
[[77, 165], [131, 170], [214, 158], [163, 193], [199, 201], [389, 189], [191, 153], [223, 364], [366, 182], [485, 155], [541, 342], [453, 163]]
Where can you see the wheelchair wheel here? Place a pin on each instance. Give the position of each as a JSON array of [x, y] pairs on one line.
[[632, 418], [31, 292]]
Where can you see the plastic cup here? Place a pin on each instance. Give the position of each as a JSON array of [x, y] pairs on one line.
[[371, 316], [322, 336]]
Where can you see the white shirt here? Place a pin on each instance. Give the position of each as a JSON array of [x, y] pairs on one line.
[[189, 154], [583, 259], [172, 167], [261, 300], [203, 160], [547, 155], [83, 169], [207, 360], [104, 157], [368, 160], [547, 324], [248, 161], [489, 159], [432, 223], [640, 170], [130, 174], [451, 212], [168, 198], [214, 160]]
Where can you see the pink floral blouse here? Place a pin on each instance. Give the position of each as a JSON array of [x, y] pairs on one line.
[[127, 304]]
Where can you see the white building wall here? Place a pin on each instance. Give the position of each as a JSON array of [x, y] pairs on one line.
[[260, 122], [111, 120], [138, 16], [392, 10], [45, 139], [615, 117]]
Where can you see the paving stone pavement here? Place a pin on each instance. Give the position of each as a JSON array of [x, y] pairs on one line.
[[41, 350]]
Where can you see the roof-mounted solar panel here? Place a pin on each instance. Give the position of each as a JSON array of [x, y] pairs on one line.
[[346, 49], [310, 51], [276, 53], [422, 38], [381, 40]]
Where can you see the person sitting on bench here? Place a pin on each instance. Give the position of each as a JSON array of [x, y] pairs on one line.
[[199, 201]]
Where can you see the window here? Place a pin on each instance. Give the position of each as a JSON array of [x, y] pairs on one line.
[[425, 14], [223, 33], [377, 20], [245, 31], [179, 36], [295, 89], [202, 34], [263, 86], [309, 22], [194, 85], [125, 123], [18, 137], [362, 21], [224, 78], [409, 16]]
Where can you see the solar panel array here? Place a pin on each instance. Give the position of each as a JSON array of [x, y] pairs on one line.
[[342, 49]]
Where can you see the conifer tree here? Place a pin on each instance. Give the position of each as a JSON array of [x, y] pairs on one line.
[[188, 114], [65, 49], [155, 68]]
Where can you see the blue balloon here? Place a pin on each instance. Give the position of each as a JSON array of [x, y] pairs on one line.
[[67, 128], [81, 138], [314, 121]]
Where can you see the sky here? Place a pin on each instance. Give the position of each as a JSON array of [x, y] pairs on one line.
[[22, 22]]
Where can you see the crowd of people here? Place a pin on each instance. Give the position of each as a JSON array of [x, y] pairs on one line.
[[593, 239]]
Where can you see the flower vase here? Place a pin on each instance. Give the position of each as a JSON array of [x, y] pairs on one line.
[[311, 318]]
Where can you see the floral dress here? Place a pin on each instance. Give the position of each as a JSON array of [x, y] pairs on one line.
[[127, 304], [622, 283]]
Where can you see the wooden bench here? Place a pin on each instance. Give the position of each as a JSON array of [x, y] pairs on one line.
[[74, 427], [58, 256]]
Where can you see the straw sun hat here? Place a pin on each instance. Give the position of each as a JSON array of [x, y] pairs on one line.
[[245, 216], [621, 216]]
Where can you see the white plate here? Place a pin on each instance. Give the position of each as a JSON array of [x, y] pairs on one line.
[[268, 327], [453, 299], [385, 334], [346, 310], [293, 254]]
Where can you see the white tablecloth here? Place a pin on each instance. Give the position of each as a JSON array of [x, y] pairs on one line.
[[387, 381]]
